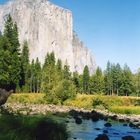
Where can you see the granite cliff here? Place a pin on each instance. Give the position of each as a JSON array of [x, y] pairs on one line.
[[48, 27]]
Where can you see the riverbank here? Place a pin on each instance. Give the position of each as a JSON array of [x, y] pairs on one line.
[[95, 115], [115, 104]]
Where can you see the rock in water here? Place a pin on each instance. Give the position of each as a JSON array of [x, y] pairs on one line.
[[128, 138], [48, 27], [102, 137], [107, 124], [78, 120]]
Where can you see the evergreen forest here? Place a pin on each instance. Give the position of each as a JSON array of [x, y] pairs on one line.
[[55, 78]]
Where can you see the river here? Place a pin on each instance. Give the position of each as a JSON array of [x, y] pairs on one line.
[[89, 130]]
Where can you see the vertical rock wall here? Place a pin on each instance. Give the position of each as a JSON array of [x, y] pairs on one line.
[[47, 28]]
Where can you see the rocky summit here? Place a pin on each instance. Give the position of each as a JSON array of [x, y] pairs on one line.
[[47, 27]]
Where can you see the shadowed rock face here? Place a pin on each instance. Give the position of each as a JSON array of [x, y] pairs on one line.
[[4, 95], [48, 27]]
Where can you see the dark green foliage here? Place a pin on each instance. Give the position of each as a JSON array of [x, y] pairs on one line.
[[50, 77], [14, 127], [64, 90], [67, 74], [9, 56], [37, 76], [59, 65], [76, 81], [86, 79], [54, 78], [25, 67], [56, 82], [108, 80], [99, 103], [97, 82], [32, 77], [127, 85], [118, 81], [136, 83]]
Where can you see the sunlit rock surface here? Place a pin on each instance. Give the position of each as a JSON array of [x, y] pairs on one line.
[[48, 27]]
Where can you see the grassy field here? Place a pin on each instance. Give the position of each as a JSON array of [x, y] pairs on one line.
[[123, 105]]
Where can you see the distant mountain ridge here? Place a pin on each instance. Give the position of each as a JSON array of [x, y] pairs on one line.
[[48, 27]]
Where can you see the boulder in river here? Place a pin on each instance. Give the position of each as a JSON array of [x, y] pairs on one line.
[[102, 137], [78, 120], [128, 138], [97, 128], [105, 131], [95, 116], [107, 124]]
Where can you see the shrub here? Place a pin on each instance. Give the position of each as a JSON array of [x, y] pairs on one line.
[[100, 104], [63, 91]]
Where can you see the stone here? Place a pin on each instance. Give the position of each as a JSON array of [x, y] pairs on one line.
[[102, 137], [131, 125], [97, 128], [78, 120], [47, 27], [115, 133], [105, 131], [125, 124], [95, 116], [114, 117], [107, 124], [128, 138], [4, 96]]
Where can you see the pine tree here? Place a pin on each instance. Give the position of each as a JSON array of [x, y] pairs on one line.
[[117, 75], [11, 57], [25, 65], [136, 83], [127, 82], [108, 79], [5, 62], [37, 76], [49, 76], [97, 82], [86, 79], [32, 77], [76, 81], [59, 65], [67, 74]]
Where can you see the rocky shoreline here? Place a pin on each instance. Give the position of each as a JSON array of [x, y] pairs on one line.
[[95, 115]]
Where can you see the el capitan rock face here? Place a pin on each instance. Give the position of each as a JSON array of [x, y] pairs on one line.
[[47, 28]]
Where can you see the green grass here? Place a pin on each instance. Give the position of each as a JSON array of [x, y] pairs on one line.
[[31, 98], [21, 127], [125, 110], [117, 104]]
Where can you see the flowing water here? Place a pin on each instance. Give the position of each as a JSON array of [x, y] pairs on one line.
[[88, 130]]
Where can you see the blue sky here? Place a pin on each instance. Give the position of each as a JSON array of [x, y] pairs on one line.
[[110, 28]]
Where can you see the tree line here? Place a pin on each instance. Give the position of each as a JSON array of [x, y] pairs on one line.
[[55, 78], [115, 80]]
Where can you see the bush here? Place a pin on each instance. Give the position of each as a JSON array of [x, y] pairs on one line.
[[100, 104], [63, 91]]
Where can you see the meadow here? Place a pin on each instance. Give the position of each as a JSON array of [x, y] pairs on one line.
[[116, 104]]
